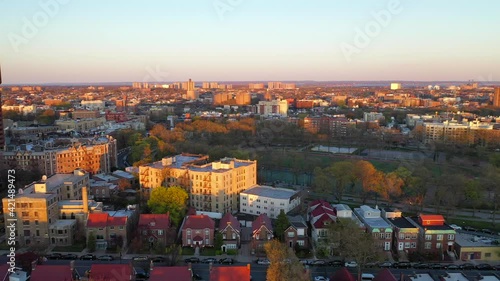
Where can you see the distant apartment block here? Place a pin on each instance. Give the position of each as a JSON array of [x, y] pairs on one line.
[[334, 126], [256, 86], [373, 116], [280, 86], [273, 108], [396, 86], [213, 187], [81, 125], [94, 156], [269, 200], [474, 132], [85, 114], [37, 209], [93, 104]]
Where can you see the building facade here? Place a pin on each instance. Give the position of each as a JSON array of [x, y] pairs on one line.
[[273, 108], [230, 229], [262, 232], [198, 231], [212, 187], [380, 229], [270, 200], [434, 235]]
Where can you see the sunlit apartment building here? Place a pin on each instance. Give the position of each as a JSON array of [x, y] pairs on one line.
[[212, 187], [273, 108], [457, 132], [37, 209]]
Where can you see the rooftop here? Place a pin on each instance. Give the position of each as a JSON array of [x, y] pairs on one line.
[[468, 240], [174, 273], [180, 161], [270, 192], [421, 277], [63, 223], [454, 277], [401, 223]]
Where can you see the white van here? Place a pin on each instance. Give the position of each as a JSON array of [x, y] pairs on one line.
[[367, 277]]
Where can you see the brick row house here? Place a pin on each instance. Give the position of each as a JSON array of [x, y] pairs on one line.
[[198, 231], [320, 215], [262, 232], [154, 228], [434, 235], [405, 236], [376, 225], [296, 233], [107, 229], [230, 229]]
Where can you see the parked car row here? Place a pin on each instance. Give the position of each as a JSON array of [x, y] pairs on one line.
[[209, 260]]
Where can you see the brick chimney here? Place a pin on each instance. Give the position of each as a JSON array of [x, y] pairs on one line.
[[85, 200]]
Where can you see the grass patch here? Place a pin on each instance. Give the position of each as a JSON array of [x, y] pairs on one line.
[[72, 248], [187, 251], [208, 252], [476, 224], [385, 167]]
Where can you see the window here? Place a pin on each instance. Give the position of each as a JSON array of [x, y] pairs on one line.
[[451, 236], [160, 232], [428, 237], [413, 245], [401, 236], [300, 242], [207, 241], [407, 245], [428, 245], [234, 235], [388, 235], [36, 222], [439, 237], [188, 232], [26, 222], [487, 255], [291, 234], [438, 245]]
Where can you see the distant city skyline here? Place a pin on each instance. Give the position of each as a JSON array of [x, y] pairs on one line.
[[64, 41]]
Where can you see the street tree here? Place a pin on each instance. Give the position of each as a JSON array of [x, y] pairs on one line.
[[284, 264], [472, 194], [218, 240], [282, 224], [91, 242], [342, 174], [172, 199]]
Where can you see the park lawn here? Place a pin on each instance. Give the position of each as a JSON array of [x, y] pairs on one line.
[[385, 166], [208, 252], [72, 248]]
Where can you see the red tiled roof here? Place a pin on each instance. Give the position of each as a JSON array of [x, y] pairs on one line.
[[321, 210], [109, 272], [230, 273], [322, 219], [160, 220], [97, 220], [343, 275], [261, 220], [117, 221], [229, 219], [174, 273], [103, 220], [199, 222], [385, 275], [319, 202], [52, 272]]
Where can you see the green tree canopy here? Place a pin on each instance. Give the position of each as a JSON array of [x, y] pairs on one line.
[[169, 199], [284, 264], [282, 224]]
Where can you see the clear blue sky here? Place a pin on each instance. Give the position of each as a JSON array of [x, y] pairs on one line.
[[114, 41]]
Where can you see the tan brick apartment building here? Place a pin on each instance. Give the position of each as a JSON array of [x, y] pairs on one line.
[[213, 187]]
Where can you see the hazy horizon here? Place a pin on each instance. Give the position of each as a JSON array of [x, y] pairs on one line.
[[85, 42]]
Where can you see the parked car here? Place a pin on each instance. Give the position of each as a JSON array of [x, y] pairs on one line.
[[402, 264], [452, 267], [351, 264], [335, 263], [484, 266], [435, 266], [226, 261], [467, 266], [386, 264], [367, 277], [263, 261], [497, 267], [54, 256], [456, 227], [158, 259], [319, 263], [321, 278], [488, 231], [69, 257], [209, 260], [306, 262], [88, 257], [192, 260], [105, 258], [140, 258], [421, 266], [141, 274], [469, 228]]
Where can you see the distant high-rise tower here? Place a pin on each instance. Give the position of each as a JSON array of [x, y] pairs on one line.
[[496, 98], [191, 93], [2, 136]]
